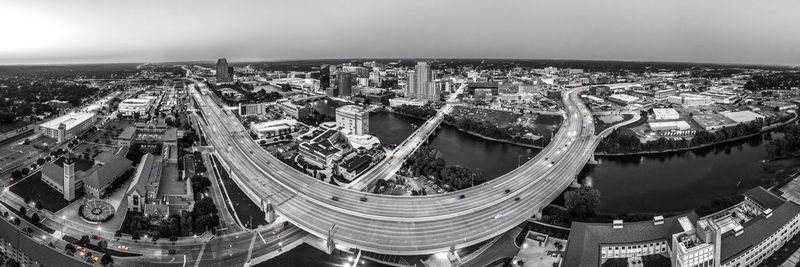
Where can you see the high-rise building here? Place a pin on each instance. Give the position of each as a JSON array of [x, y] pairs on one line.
[[224, 72], [420, 84], [324, 77], [353, 119], [345, 83]]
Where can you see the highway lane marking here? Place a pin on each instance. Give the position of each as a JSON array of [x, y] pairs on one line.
[[200, 255]]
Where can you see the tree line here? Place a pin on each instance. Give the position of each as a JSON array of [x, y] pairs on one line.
[[623, 140], [429, 162]]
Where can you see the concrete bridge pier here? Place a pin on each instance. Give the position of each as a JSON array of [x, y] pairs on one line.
[[538, 214], [592, 160], [331, 245], [453, 257]]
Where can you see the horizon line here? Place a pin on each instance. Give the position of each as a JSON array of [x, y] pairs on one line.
[[401, 58]]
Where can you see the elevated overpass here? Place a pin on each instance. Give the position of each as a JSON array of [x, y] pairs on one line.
[[401, 225]]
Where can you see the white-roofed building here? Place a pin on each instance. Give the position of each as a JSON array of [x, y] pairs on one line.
[[666, 114], [623, 98], [131, 106], [273, 128], [742, 116], [67, 126], [669, 125]]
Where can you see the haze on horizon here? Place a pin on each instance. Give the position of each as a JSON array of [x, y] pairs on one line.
[[96, 31]]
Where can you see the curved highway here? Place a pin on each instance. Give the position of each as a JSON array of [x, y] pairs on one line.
[[402, 225]]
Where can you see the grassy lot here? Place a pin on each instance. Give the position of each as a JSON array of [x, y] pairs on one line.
[[500, 118], [35, 189]]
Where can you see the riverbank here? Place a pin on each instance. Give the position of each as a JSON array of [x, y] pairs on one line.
[[470, 132], [666, 151]]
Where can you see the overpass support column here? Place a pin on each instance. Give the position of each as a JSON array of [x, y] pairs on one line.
[[538, 214], [453, 257], [331, 245]]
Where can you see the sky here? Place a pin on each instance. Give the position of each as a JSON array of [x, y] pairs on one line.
[[105, 31]]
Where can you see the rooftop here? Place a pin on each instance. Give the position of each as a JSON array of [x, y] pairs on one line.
[[756, 230], [70, 120], [585, 239]]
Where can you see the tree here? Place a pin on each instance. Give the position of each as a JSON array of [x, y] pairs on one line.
[[174, 225], [17, 221], [558, 245], [25, 171], [186, 223], [106, 259], [16, 175], [582, 202], [70, 249], [84, 240], [23, 211], [40, 161], [35, 218], [12, 263]]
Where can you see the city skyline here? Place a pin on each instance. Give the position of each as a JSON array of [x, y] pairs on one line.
[[98, 32]]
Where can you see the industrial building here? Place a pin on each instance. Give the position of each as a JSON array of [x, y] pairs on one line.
[[666, 114], [622, 98]]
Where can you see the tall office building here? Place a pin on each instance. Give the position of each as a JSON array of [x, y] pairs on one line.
[[224, 72], [324, 77], [420, 84], [345, 83]]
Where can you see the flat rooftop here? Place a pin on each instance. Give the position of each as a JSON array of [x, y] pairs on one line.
[[70, 120]]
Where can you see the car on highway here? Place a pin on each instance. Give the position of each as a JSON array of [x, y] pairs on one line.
[[507, 190], [172, 252], [81, 249], [498, 216], [96, 237], [516, 199], [462, 196], [363, 199], [276, 231], [335, 198], [121, 247], [93, 258]]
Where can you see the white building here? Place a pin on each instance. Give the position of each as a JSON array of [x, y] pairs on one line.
[[67, 126], [399, 101], [270, 129], [623, 98], [352, 119], [669, 125], [131, 106], [666, 114]]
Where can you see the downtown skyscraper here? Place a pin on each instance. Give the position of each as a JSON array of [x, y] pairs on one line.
[[420, 83], [224, 72]]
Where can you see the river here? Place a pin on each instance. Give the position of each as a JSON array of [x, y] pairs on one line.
[[682, 180], [632, 184], [458, 148]]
